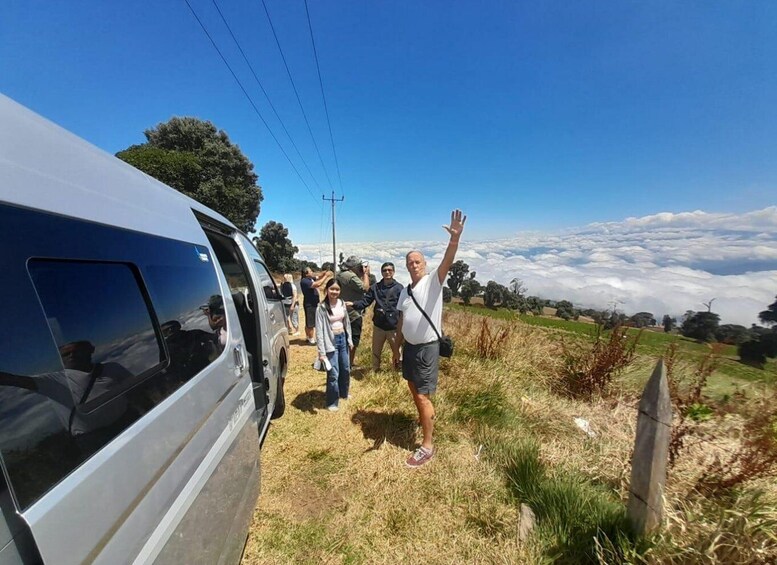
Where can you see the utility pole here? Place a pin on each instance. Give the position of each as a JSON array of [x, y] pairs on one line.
[[334, 244]]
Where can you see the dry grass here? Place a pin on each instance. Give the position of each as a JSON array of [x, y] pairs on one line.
[[335, 488]]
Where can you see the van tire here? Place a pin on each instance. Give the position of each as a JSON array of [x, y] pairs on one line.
[[280, 402]]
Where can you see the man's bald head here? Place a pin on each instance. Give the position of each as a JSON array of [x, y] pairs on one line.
[[416, 265]]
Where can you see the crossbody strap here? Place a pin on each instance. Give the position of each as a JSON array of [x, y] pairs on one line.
[[428, 319]]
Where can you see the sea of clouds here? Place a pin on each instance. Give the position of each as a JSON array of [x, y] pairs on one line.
[[665, 263]]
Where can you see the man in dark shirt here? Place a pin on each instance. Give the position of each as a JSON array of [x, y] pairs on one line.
[[385, 294], [309, 286]]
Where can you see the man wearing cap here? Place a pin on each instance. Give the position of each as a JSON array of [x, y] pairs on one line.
[[421, 350], [354, 280]]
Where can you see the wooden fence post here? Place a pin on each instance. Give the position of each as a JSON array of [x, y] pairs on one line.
[[651, 451]]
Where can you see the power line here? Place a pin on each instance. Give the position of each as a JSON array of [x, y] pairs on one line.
[[323, 96], [250, 101], [296, 93], [267, 97]]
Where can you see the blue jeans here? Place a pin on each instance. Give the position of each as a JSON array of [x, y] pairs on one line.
[[338, 379]]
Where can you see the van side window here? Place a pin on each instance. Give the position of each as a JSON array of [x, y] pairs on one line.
[[268, 284], [103, 331], [96, 342]]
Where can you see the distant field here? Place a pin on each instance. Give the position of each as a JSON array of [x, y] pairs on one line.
[[651, 344]]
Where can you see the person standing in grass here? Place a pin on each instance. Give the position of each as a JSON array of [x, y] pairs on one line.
[[420, 346], [333, 340], [310, 285], [385, 294], [289, 293]]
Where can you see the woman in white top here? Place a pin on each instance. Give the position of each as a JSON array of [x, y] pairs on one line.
[[289, 292], [333, 340]]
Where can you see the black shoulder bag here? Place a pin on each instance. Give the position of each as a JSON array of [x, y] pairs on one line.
[[446, 343]]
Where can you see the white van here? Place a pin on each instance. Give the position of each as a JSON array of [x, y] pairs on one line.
[[144, 356]]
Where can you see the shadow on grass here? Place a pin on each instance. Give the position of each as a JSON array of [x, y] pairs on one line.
[[309, 401], [397, 428], [358, 373]]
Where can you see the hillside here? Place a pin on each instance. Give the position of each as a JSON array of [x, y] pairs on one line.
[[335, 488]]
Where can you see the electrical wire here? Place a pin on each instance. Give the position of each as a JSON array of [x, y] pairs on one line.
[[296, 93], [250, 101], [323, 97], [267, 97]]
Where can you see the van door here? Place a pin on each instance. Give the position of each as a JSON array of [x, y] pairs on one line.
[[275, 333]]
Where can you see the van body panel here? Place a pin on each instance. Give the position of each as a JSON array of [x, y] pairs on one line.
[[75, 178], [275, 334], [179, 483]]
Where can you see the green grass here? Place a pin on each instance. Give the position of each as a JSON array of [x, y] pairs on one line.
[[652, 344], [579, 520]]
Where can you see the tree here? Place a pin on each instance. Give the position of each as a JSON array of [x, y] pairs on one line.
[[195, 158], [328, 266], [456, 275], [669, 323], [732, 334], [769, 316], [493, 294], [534, 305], [751, 353], [565, 310], [700, 326], [276, 248], [469, 288], [643, 320], [447, 295]]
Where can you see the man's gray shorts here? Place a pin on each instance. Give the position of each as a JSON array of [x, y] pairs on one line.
[[420, 364]]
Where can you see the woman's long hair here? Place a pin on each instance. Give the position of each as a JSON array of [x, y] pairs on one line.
[[329, 283]]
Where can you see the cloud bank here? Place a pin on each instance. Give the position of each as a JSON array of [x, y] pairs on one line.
[[664, 263]]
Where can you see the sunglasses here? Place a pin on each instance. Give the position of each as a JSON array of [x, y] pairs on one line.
[[387, 270]]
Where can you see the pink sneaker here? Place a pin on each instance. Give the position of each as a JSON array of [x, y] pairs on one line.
[[419, 457]]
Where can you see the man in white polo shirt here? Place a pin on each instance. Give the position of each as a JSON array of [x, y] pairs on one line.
[[421, 349]]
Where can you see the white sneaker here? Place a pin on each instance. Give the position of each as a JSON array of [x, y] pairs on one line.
[[333, 408], [312, 341]]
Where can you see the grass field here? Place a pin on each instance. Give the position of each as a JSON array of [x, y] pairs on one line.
[[335, 488], [730, 376]]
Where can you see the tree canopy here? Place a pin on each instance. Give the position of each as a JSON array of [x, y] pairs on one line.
[[700, 325], [195, 158], [469, 288], [643, 320], [276, 248], [456, 275], [769, 316]]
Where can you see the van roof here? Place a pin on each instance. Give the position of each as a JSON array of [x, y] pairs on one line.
[[45, 167]]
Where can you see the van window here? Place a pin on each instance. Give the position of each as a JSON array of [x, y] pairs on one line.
[[97, 342], [102, 328], [268, 284]]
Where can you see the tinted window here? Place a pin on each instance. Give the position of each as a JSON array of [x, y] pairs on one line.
[[267, 282], [97, 342]]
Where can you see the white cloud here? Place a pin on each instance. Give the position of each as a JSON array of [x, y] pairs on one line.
[[663, 263]]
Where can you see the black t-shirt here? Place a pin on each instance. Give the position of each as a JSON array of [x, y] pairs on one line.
[[286, 290], [309, 293]]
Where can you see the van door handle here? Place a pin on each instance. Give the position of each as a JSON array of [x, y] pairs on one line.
[[238, 353]]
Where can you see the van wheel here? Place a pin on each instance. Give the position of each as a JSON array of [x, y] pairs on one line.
[[280, 402]]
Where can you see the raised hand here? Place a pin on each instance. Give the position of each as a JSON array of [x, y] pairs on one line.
[[457, 224]]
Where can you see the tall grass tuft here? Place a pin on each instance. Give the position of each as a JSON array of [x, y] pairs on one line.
[[687, 400], [589, 370], [581, 523], [754, 458], [491, 344], [488, 405]]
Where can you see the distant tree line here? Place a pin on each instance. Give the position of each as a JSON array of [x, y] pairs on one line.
[[754, 344]]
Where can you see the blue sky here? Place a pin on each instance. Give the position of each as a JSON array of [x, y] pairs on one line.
[[530, 116]]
